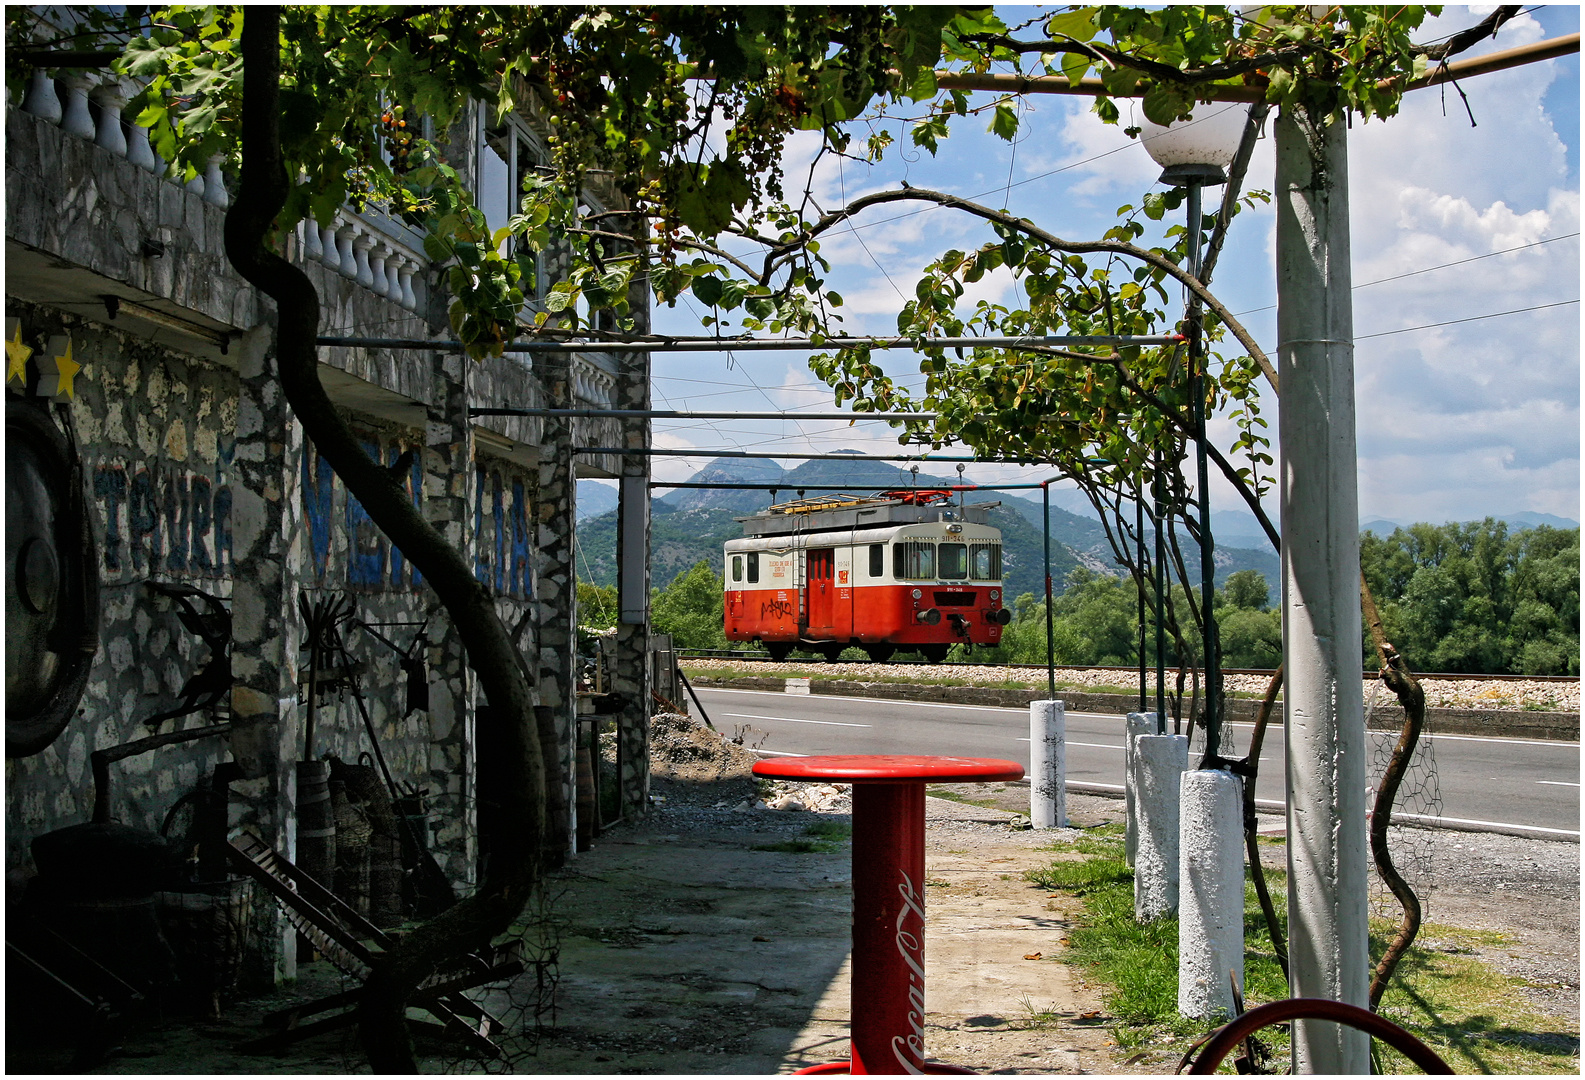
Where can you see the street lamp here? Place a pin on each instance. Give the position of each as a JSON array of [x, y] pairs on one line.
[[1192, 154]]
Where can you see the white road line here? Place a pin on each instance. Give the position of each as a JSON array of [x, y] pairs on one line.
[[1557, 783], [1116, 716], [780, 753], [791, 720], [1095, 745]]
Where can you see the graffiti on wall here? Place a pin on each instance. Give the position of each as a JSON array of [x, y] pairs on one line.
[[501, 526], [363, 555], [163, 518]]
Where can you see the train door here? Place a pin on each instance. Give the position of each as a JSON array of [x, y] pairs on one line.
[[820, 564]]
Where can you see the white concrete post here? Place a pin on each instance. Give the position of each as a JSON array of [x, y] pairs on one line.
[[1159, 761], [1211, 915], [1136, 725], [1048, 795], [1323, 707]]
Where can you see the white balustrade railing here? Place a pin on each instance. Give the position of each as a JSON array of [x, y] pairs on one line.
[[354, 246]]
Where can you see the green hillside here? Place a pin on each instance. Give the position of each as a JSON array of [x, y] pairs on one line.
[[693, 523]]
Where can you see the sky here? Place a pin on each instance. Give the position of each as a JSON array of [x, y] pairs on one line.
[[1460, 415]]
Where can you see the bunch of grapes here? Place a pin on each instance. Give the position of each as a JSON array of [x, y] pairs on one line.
[[398, 138]]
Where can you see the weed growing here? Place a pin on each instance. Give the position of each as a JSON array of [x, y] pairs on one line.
[[1472, 1015]]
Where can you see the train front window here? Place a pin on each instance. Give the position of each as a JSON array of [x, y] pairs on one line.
[[914, 560], [985, 562], [753, 567], [737, 568], [877, 560], [954, 561]]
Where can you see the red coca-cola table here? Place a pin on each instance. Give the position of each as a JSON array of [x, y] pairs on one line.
[[888, 1003]]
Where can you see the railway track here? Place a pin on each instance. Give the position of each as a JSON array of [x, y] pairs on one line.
[[760, 658]]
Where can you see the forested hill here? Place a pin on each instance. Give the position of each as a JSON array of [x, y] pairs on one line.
[[691, 524]]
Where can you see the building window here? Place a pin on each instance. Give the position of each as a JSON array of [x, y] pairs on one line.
[[507, 157]]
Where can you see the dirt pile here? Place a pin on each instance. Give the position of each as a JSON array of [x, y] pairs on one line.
[[682, 748]]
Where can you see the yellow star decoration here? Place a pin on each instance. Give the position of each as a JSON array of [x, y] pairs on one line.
[[58, 383], [16, 354]]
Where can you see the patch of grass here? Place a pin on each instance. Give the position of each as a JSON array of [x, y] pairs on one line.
[[829, 830], [959, 797], [1472, 1015], [817, 842]]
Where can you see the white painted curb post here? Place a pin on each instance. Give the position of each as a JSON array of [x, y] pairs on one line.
[[1137, 724], [1159, 761], [1048, 797], [1211, 918]]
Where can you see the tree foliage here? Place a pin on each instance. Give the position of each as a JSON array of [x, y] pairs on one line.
[[691, 609], [1472, 597]]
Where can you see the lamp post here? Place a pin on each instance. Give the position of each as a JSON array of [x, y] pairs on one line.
[[1192, 154]]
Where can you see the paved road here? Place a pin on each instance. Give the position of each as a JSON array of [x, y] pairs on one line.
[[1523, 782]]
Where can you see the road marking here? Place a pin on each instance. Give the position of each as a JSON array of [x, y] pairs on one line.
[[1557, 783], [904, 701], [1096, 745], [792, 720], [780, 753]]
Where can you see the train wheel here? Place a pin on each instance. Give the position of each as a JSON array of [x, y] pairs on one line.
[[831, 652], [934, 653], [779, 650], [880, 653]]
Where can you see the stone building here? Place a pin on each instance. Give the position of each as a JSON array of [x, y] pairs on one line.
[[140, 367]]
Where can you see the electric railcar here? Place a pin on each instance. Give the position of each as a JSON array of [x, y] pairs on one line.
[[904, 570]]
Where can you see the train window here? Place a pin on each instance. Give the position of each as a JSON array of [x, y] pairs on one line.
[[737, 568], [954, 560], [985, 562], [877, 560], [753, 566], [913, 559]]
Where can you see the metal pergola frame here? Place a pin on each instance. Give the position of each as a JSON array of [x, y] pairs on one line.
[[716, 344]]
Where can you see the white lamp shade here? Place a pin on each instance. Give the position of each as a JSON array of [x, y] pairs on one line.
[[1209, 137]]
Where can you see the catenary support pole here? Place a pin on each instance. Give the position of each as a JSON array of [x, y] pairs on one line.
[[1211, 892], [1323, 708], [1159, 761], [1048, 796]]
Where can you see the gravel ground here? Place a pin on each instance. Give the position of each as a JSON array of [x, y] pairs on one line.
[[1494, 694]]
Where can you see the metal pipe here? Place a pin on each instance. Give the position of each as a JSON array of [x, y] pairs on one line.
[[1161, 611], [1059, 84], [1051, 654], [651, 451], [679, 414], [1213, 703], [838, 487], [758, 344]]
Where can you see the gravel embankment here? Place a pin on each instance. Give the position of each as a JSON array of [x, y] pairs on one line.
[[1494, 694]]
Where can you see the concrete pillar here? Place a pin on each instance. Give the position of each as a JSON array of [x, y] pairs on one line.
[[1211, 914], [633, 677], [1136, 725], [556, 582], [1048, 793], [266, 527], [1323, 709], [448, 480], [1159, 761]]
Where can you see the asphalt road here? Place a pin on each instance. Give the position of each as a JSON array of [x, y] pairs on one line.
[[1483, 782]]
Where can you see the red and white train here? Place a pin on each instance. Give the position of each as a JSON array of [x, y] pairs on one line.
[[904, 570]]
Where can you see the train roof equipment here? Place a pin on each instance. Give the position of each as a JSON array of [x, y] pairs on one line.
[[824, 513]]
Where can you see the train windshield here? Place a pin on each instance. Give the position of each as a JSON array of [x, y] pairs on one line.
[[954, 560], [913, 559], [985, 562]]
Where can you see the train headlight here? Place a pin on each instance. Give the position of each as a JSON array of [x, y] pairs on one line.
[[996, 594], [917, 594]]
